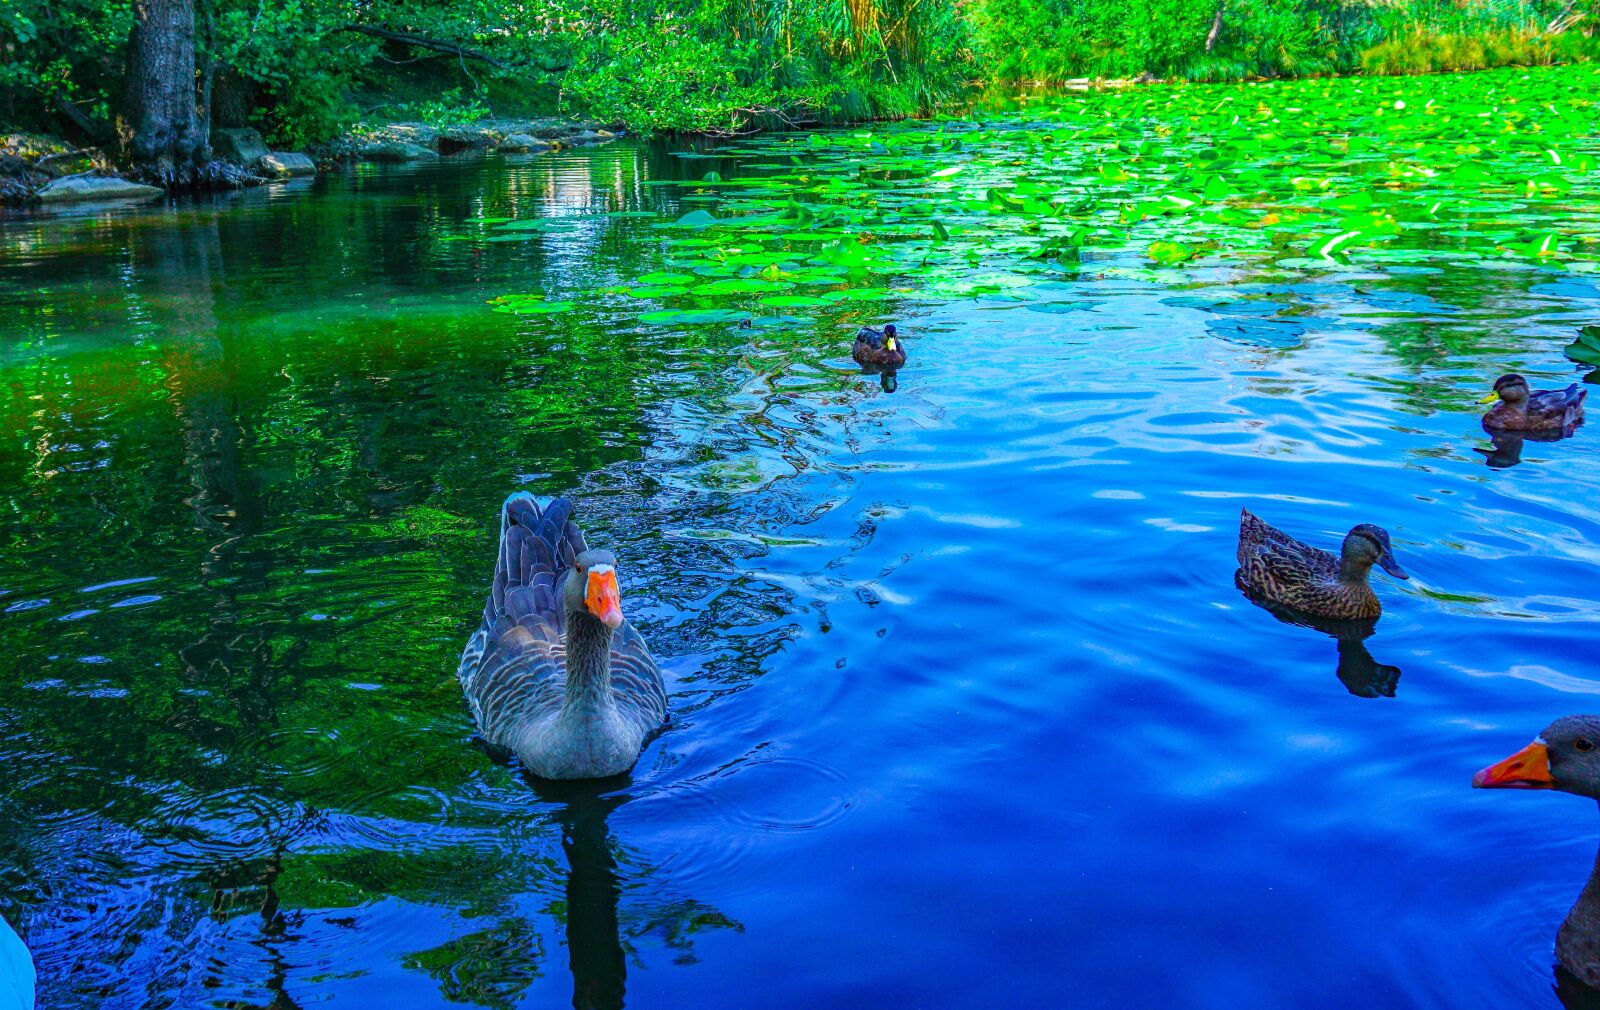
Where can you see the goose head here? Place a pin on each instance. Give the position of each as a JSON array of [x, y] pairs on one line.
[[591, 590], [1511, 388], [1565, 757], [1366, 545]]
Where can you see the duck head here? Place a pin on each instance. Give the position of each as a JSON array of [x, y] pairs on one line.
[[1564, 757], [1366, 545], [591, 589], [1511, 388], [889, 336]]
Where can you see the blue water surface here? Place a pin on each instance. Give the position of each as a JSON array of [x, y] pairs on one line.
[[967, 709]]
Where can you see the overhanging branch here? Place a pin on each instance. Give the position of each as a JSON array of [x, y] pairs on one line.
[[424, 42]]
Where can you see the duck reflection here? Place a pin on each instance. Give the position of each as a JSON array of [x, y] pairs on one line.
[[888, 378], [1507, 449], [1361, 674]]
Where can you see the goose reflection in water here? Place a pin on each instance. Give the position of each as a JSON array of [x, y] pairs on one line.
[[1361, 674], [594, 937], [494, 969], [1507, 448]]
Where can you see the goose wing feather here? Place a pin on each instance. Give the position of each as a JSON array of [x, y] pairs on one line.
[[513, 669]]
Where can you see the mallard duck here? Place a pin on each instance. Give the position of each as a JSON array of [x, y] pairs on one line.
[[1566, 758], [1520, 409], [555, 673], [878, 348], [1310, 580]]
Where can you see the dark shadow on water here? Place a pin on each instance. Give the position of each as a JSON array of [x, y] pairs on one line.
[[1361, 674], [1507, 448]]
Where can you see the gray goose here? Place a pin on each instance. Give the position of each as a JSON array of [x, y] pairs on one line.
[[1565, 758], [555, 673]]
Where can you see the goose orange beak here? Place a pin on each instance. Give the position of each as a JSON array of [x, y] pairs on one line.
[[601, 597], [1528, 768]]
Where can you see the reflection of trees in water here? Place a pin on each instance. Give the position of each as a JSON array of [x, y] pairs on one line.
[[233, 446], [494, 967]]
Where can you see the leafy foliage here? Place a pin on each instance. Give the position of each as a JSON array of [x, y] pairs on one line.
[[1212, 40], [305, 69]]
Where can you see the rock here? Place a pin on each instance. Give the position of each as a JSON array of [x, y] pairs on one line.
[[31, 147], [464, 138], [522, 142], [65, 163], [585, 137], [242, 145], [286, 165], [395, 150], [83, 188], [605, 134]]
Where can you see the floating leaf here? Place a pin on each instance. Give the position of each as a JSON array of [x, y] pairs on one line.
[[696, 219], [1171, 253], [692, 316], [739, 286], [1586, 349], [793, 301]]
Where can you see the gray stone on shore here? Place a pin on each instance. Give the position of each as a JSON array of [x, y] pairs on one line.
[[395, 150], [286, 165], [243, 145], [84, 188], [517, 142], [466, 138]]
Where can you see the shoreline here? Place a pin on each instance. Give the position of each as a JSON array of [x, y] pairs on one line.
[[42, 171]]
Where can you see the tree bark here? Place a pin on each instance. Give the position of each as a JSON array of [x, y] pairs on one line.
[[168, 143], [1216, 29]]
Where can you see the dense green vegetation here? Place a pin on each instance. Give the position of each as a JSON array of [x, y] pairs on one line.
[[1213, 40], [305, 69]]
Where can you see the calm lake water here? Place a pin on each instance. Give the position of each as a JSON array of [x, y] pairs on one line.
[[966, 708]]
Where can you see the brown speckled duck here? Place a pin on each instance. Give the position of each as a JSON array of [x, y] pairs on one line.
[[879, 348], [1522, 409], [1286, 571], [1565, 757]]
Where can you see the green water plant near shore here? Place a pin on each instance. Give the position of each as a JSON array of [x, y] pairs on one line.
[[1288, 179]]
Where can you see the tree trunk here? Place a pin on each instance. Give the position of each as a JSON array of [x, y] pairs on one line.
[[1216, 29], [168, 143]]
